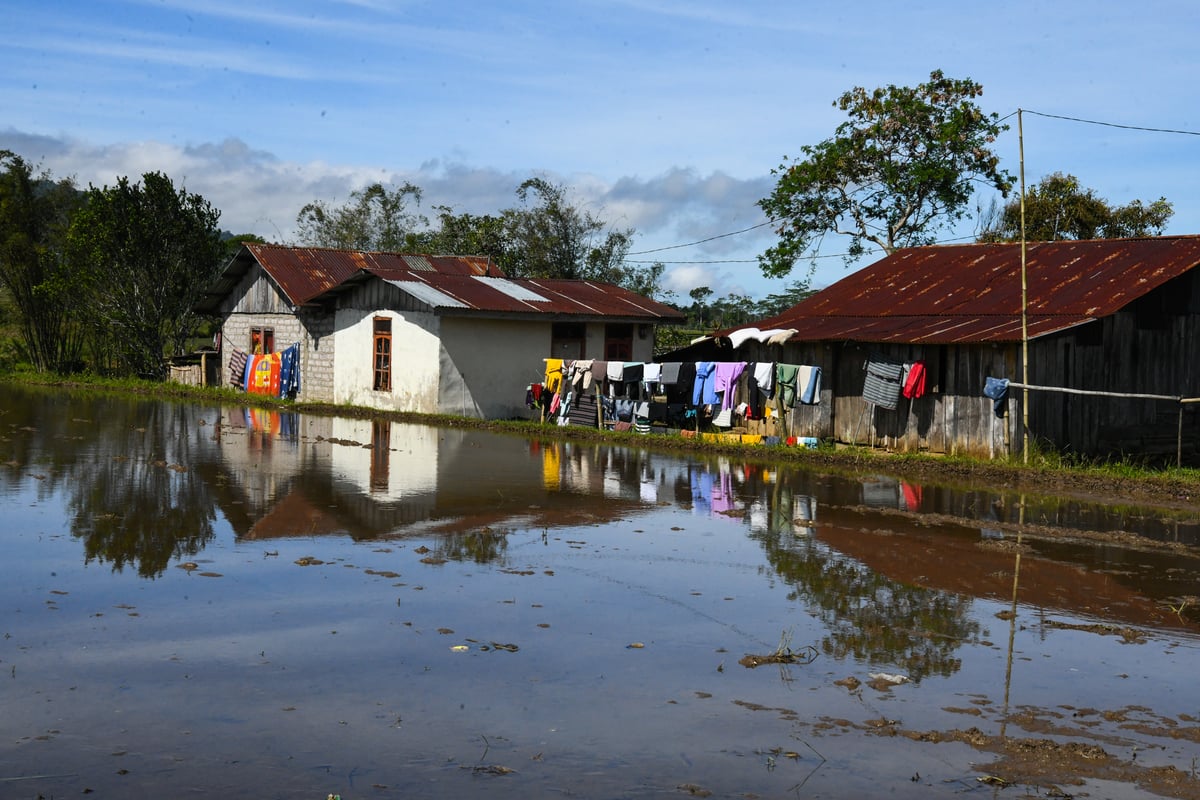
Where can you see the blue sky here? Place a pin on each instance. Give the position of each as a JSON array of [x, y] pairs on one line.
[[666, 116]]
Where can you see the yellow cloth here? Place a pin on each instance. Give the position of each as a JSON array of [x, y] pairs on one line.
[[554, 375]]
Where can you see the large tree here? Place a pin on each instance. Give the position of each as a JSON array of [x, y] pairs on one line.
[[545, 236], [376, 218], [553, 238], [902, 167], [467, 234], [35, 212], [149, 250], [1058, 207]]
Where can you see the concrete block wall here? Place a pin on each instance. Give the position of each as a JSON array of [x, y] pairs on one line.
[[235, 332], [316, 357]]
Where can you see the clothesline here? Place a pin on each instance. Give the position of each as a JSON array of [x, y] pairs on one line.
[[1134, 395]]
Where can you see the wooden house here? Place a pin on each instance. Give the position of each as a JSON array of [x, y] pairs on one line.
[[1105, 319], [420, 333]]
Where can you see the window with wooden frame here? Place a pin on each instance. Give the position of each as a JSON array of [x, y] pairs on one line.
[[618, 342], [262, 341], [568, 340], [382, 381]]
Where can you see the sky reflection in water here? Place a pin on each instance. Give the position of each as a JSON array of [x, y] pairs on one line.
[[265, 603]]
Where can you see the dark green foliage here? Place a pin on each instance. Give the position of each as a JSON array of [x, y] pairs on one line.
[[1058, 208], [546, 236], [376, 219], [35, 212], [903, 166], [144, 252]]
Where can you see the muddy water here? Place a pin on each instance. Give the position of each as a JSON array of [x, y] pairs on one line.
[[226, 602]]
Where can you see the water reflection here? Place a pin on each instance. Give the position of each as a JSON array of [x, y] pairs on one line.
[[891, 567], [122, 468]]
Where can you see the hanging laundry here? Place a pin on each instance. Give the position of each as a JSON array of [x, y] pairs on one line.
[[785, 383], [264, 375], [914, 380], [808, 383], [554, 374], [882, 385], [725, 377], [764, 375], [289, 371], [533, 393], [237, 367], [704, 390], [997, 390]]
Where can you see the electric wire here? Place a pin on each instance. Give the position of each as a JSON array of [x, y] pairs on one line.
[[873, 251]]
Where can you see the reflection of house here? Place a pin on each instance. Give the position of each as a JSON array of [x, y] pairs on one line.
[[913, 553], [429, 334], [1117, 316], [375, 478]]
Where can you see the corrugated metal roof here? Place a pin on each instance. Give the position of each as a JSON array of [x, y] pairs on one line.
[[426, 294], [512, 289], [466, 283], [972, 293], [529, 296]]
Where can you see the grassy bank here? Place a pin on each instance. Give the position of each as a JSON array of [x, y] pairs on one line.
[[1047, 473]]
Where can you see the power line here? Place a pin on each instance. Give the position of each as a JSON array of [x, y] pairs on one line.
[[725, 261], [702, 241], [1111, 124], [871, 252]]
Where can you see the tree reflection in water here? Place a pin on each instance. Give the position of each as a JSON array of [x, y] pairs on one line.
[[870, 617], [134, 500], [481, 547]]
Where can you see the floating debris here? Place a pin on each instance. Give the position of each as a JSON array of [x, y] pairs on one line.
[[784, 654]]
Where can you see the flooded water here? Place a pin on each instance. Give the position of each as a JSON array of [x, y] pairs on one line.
[[235, 603]]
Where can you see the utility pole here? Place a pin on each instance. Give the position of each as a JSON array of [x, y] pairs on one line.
[[1024, 305]]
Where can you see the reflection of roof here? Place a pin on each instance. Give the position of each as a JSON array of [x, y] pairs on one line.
[[307, 275], [950, 563], [972, 293], [292, 516]]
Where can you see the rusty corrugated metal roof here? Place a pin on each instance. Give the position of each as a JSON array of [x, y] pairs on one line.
[[972, 293], [526, 296], [306, 272], [303, 273], [465, 283]]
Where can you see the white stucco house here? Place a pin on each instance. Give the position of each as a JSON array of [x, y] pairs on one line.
[[420, 333]]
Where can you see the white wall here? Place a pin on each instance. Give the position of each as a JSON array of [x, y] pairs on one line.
[[412, 459], [415, 360], [486, 365]]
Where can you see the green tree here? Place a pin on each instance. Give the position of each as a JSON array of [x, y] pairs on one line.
[[545, 236], [779, 302], [555, 239], [148, 251], [35, 213], [903, 166], [1058, 207], [232, 242], [376, 219], [468, 235], [699, 309]]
